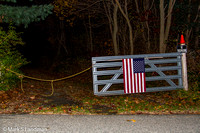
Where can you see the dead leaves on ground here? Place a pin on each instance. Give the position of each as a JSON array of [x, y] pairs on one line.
[[14, 101], [78, 98], [132, 120]]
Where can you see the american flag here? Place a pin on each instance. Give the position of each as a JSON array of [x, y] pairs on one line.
[[134, 75]]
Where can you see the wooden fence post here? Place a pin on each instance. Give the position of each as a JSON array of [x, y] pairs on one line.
[[183, 50], [184, 72]]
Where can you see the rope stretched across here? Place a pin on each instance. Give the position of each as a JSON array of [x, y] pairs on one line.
[[21, 76]]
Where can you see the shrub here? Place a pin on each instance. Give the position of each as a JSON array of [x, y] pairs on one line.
[[10, 58]]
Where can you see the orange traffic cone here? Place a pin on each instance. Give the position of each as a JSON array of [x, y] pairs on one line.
[[182, 41]]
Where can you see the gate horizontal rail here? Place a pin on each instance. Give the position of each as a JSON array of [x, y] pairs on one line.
[[149, 56], [118, 81], [110, 72]]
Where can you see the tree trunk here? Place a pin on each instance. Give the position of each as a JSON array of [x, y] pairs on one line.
[[115, 30], [169, 18], [129, 25], [197, 37], [162, 26], [145, 25], [148, 38], [62, 40], [90, 35], [164, 32], [189, 31], [112, 18]]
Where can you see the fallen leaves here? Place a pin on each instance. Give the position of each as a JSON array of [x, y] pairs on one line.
[[137, 101], [32, 97], [73, 97], [132, 120], [3, 106], [2, 92]]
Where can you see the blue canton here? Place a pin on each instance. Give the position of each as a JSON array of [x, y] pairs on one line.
[[138, 65]]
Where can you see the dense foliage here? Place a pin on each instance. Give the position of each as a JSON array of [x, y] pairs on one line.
[[12, 11], [10, 58]]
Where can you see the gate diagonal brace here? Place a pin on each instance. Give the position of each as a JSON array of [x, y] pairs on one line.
[[107, 86], [162, 74]]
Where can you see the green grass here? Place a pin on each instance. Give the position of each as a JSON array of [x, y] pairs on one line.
[[168, 102]]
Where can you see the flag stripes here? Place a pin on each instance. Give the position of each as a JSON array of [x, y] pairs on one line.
[[134, 75]]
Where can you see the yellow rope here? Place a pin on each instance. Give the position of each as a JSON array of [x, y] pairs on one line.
[[52, 90], [21, 79], [71, 76], [46, 80]]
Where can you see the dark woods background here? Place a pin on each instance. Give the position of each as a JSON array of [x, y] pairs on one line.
[[81, 29]]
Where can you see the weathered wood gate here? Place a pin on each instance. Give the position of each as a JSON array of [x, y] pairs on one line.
[[163, 73]]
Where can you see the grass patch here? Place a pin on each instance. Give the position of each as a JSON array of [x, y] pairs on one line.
[[151, 103]]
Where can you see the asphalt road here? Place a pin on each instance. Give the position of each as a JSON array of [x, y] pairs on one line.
[[100, 124]]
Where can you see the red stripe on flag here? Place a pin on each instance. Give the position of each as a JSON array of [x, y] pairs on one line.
[[144, 83], [141, 83], [124, 72], [138, 82], [127, 72], [131, 79], [140, 89], [135, 89]]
